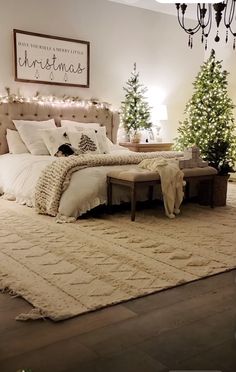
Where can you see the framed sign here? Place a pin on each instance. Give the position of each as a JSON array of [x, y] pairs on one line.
[[51, 60]]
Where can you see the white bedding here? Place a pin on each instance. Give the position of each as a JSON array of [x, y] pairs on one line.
[[87, 189]]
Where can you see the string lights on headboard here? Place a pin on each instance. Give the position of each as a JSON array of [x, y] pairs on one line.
[[52, 99], [40, 108]]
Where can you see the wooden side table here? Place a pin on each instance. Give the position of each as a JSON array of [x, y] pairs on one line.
[[147, 147]]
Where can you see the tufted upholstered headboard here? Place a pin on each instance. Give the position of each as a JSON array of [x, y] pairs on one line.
[[38, 111]]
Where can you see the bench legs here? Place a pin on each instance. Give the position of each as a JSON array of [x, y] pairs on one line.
[[132, 197], [212, 201], [133, 201], [109, 194], [133, 188], [132, 185], [150, 193]]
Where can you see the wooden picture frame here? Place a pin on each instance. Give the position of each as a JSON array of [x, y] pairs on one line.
[[45, 59]]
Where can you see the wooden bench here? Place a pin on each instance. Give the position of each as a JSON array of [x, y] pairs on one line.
[[135, 178]]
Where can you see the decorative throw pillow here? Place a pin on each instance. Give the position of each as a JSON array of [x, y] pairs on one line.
[[85, 141], [53, 138], [71, 125], [102, 140], [29, 132], [15, 143], [99, 130]]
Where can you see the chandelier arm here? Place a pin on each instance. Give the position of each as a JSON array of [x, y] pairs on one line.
[[231, 13], [225, 9], [209, 22], [200, 19], [197, 27], [189, 31], [232, 32], [231, 16], [206, 28], [182, 25]]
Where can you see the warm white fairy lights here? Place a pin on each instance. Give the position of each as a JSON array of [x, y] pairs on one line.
[[209, 121], [54, 100], [135, 110]]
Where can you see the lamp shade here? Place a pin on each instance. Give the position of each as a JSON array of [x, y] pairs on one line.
[[160, 112]]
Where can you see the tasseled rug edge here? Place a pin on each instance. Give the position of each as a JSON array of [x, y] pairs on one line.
[[33, 314]]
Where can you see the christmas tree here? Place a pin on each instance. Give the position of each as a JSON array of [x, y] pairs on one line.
[[86, 144], [135, 111], [209, 121]]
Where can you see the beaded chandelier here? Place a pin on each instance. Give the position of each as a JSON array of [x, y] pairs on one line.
[[224, 12]]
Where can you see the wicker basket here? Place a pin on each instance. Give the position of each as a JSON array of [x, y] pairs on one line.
[[220, 190]]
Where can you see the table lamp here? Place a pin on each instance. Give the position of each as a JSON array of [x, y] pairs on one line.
[[159, 113]]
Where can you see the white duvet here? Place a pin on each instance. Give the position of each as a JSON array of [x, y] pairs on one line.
[[87, 189]]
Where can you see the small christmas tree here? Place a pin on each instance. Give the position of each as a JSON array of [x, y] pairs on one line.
[[86, 144], [135, 111], [209, 121]]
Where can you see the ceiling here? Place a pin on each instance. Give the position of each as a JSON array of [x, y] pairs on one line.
[[157, 7]]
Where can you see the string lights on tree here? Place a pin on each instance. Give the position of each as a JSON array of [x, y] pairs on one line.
[[135, 110], [209, 121]]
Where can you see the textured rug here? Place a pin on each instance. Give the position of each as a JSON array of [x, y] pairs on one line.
[[66, 270]]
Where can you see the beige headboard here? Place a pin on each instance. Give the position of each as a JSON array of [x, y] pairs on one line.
[[37, 111]]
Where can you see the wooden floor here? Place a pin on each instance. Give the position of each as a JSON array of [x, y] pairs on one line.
[[191, 327]]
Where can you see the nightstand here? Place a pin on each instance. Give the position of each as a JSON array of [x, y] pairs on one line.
[[147, 147]]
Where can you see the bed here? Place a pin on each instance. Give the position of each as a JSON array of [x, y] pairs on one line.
[[19, 173]]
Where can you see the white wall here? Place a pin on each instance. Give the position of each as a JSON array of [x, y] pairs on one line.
[[120, 35]]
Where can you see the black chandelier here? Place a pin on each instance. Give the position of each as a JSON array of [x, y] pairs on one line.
[[224, 10]]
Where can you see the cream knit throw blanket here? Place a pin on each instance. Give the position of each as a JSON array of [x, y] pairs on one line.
[[171, 182], [55, 178]]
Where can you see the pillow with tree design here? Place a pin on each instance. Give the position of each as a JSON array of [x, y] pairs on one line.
[[85, 141]]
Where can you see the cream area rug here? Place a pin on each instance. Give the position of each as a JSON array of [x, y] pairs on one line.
[[70, 269]]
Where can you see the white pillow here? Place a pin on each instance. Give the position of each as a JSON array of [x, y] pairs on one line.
[[99, 130], [15, 143], [70, 125], [102, 140], [31, 136], [85, 141], [53, 138]]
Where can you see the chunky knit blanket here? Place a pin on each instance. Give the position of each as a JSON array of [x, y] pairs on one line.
[[171, 182], [55, 178]]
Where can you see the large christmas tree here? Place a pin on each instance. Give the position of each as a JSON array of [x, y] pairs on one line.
[[135, 110], [209, 121]]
